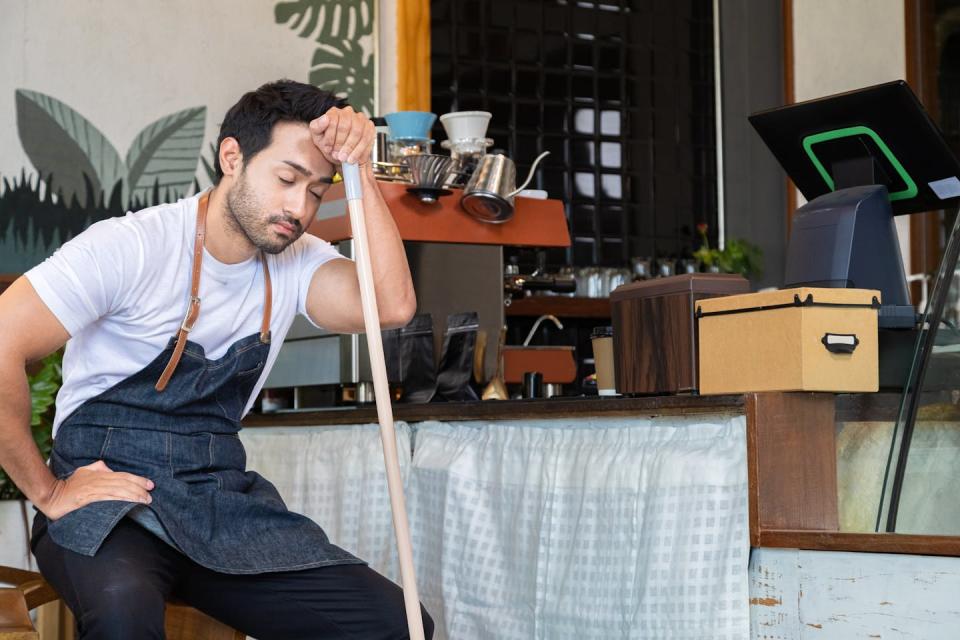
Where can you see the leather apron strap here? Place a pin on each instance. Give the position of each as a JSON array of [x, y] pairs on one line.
[[193, 310]]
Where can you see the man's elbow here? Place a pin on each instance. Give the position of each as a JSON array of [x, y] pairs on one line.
[[401, 313]]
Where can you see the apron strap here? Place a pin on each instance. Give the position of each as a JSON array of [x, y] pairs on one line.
[[193, 310], [267, 301]]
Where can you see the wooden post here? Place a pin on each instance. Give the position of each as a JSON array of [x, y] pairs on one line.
[[792, 463]]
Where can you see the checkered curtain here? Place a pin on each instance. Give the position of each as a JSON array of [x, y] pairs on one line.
[[605, 528]]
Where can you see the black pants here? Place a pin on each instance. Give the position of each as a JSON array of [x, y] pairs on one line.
[[120, 593]]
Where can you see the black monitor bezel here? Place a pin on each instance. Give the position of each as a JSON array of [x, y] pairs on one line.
[[892, 111]]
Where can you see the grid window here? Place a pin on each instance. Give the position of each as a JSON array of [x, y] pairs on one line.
[[621, 92]]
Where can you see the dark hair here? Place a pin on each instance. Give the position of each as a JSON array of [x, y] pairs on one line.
[[251, 119]]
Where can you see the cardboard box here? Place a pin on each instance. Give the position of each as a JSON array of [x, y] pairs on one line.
[[805, 339]]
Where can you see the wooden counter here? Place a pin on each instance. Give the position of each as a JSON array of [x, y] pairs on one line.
[[506, 410], [791, 449], [849, 407]]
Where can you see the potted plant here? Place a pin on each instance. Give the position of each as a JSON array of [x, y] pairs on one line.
[[44, 379], [737, 256]]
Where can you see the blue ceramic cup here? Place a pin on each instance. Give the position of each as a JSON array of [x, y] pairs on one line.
[[410, 124]]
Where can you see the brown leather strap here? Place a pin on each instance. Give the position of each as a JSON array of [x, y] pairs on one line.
[[267, 301], [193, 310]]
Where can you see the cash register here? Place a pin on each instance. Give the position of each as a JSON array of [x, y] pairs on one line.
[[859, 159]]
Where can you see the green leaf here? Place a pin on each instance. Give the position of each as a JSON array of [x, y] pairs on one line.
[[740, 256], [43, 384], [326, 20], [61, 142], [341, 69], [338, 26], [165, 154], [298, 11], [43, 388]]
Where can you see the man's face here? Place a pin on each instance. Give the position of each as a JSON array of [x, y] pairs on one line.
[[275, 197]]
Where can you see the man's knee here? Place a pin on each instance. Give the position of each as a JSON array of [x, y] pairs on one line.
[[119, 592], [123, 605]]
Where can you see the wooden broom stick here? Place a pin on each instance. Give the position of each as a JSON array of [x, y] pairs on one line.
[[381, 389]]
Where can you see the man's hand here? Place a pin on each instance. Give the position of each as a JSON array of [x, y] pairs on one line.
[[343, 135], [94, 483]]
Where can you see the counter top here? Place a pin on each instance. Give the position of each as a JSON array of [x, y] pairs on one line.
[[878, 407], [505, 410]]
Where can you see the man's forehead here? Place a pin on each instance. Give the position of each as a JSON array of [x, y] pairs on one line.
[[292, 143]]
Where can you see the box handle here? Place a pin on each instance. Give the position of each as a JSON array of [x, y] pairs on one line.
[[840, 342]]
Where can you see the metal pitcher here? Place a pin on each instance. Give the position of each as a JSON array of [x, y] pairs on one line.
[[489, 194]]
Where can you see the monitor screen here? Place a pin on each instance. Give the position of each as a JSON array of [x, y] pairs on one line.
[[876, 135]]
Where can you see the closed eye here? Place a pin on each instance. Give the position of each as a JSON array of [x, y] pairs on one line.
[[284, 181]]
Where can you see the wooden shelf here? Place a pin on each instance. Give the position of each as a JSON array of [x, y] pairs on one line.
[[560, 306], [535, 223]]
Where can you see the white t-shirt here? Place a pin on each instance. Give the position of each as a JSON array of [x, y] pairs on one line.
[[121, 290]]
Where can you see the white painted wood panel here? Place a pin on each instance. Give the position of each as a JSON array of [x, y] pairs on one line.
[[801, 595]]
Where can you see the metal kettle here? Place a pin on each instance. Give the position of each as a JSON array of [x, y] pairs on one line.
[[489, 193]]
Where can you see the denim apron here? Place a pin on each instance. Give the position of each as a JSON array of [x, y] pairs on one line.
[[181, 431]]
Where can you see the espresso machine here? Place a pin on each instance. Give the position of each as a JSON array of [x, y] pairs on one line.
[[319, 368]]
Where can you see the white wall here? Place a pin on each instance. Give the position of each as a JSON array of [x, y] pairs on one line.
[[846, 44], [839, 45], [125, 64], [82, 82]]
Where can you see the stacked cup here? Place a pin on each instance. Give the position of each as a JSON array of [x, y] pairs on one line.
[[410, 145], [410, 132], [466, 140]]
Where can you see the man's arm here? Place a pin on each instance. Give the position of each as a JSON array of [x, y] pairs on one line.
[[333, 300], [30, 332]]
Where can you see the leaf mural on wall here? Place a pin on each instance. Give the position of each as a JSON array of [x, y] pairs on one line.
[[68, 150], [75, 161], [343, 70], [165, 154], [62, 143], [339, 19], [341, 28], [208, 166]]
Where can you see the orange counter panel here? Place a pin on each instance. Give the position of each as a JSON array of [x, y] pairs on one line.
[[556, 364], [535, 223]]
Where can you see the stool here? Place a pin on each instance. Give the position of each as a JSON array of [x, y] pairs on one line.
[[30, 591]]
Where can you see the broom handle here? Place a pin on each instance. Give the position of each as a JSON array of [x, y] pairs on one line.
[[381, 389]]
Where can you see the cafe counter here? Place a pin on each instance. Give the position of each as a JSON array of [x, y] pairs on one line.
[[605, 517], [559, 518]]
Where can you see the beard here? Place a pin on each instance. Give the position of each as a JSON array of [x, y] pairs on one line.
[[244, 216]]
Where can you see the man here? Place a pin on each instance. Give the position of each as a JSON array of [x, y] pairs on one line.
[[172, 318]]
